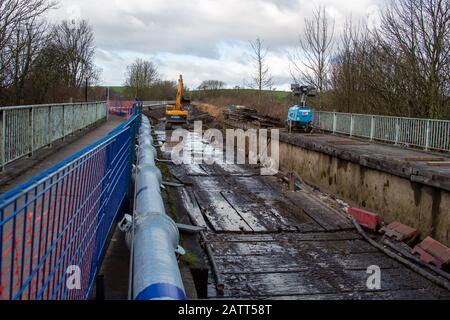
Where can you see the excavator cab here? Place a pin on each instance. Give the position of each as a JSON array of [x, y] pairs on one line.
[[178, 114]]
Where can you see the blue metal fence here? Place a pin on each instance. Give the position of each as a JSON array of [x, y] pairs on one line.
[[54, 228]]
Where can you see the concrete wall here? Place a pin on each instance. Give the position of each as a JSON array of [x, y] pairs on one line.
[[393, 197]]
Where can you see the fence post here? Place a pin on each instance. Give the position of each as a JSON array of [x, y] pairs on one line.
[[64, 123], [73, 119], [334, 122], [351, 125], [31, 146], [372, 127], [50, 131], [3, 141], [397, 131], [427, 141], [447, 135], [316, 116]]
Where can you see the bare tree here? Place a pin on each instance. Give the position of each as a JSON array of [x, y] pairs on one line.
[[349, 88], [211, 85], [13, 13], [401, 67], [418, 32], [42, 63], [163, 90], [25, 48], [261, 78], [141, 75], [311, 61], [74, 44], [21, 29]]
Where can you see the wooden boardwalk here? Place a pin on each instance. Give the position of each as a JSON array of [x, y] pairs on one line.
[[270, 243]]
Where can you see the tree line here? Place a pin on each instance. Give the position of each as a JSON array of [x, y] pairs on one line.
[[143, 82], [400, 67], [42, 62]]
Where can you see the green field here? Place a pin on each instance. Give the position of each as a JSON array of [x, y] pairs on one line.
[[280, 96], [117, 89]]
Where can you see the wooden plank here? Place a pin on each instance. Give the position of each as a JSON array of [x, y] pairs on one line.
[[232, 168], [259, 216], [282, 263], [210, 184], [230, 237], [253, 285], [194, 170], [391, 279], [192, 207], [439, 163], [210, 170], [219, 213], [295, 216], [319, 212], [374, 295], [423, 159], [291, 237], [323, 281], [251, 213], [311, 248], [258, 187]]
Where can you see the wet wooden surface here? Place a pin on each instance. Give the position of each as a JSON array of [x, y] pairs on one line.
[[269, 243]]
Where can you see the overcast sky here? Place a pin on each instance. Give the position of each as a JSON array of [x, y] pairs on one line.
[[201, 39]]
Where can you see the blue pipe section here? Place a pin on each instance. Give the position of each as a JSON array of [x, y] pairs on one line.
[[156, 274]]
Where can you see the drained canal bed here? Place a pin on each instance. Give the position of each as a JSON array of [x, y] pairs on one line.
[[269, 243]]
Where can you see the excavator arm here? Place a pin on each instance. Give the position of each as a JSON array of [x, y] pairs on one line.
[[180, 93], [178, 114]]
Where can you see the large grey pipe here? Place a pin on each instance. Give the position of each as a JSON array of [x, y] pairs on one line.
[[156, 275]]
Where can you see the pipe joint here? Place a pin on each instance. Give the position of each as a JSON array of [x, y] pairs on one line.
[[158, 221]]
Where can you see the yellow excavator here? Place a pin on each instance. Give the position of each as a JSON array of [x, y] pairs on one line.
[[178, 114]]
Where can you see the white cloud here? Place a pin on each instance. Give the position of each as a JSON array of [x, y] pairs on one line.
[[200, 38]]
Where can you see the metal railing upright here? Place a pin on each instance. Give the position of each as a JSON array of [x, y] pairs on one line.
[[54, 228], [26, 129], [427, 134]]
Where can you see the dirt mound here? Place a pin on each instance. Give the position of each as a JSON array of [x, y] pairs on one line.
[[213, 110]]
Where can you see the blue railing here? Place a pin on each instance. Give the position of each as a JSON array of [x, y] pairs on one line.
[[54, 228]]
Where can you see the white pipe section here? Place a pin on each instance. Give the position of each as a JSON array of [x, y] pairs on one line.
[[144, 131], [156, 275], [145, 139]]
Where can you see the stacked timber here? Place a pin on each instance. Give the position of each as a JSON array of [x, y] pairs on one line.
[[250, 115]]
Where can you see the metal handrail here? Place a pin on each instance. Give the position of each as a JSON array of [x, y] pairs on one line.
[[26, 129], [27, 106], [428, 134], [62, 219]]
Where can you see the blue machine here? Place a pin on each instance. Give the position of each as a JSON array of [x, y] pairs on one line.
[[300, 117]]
